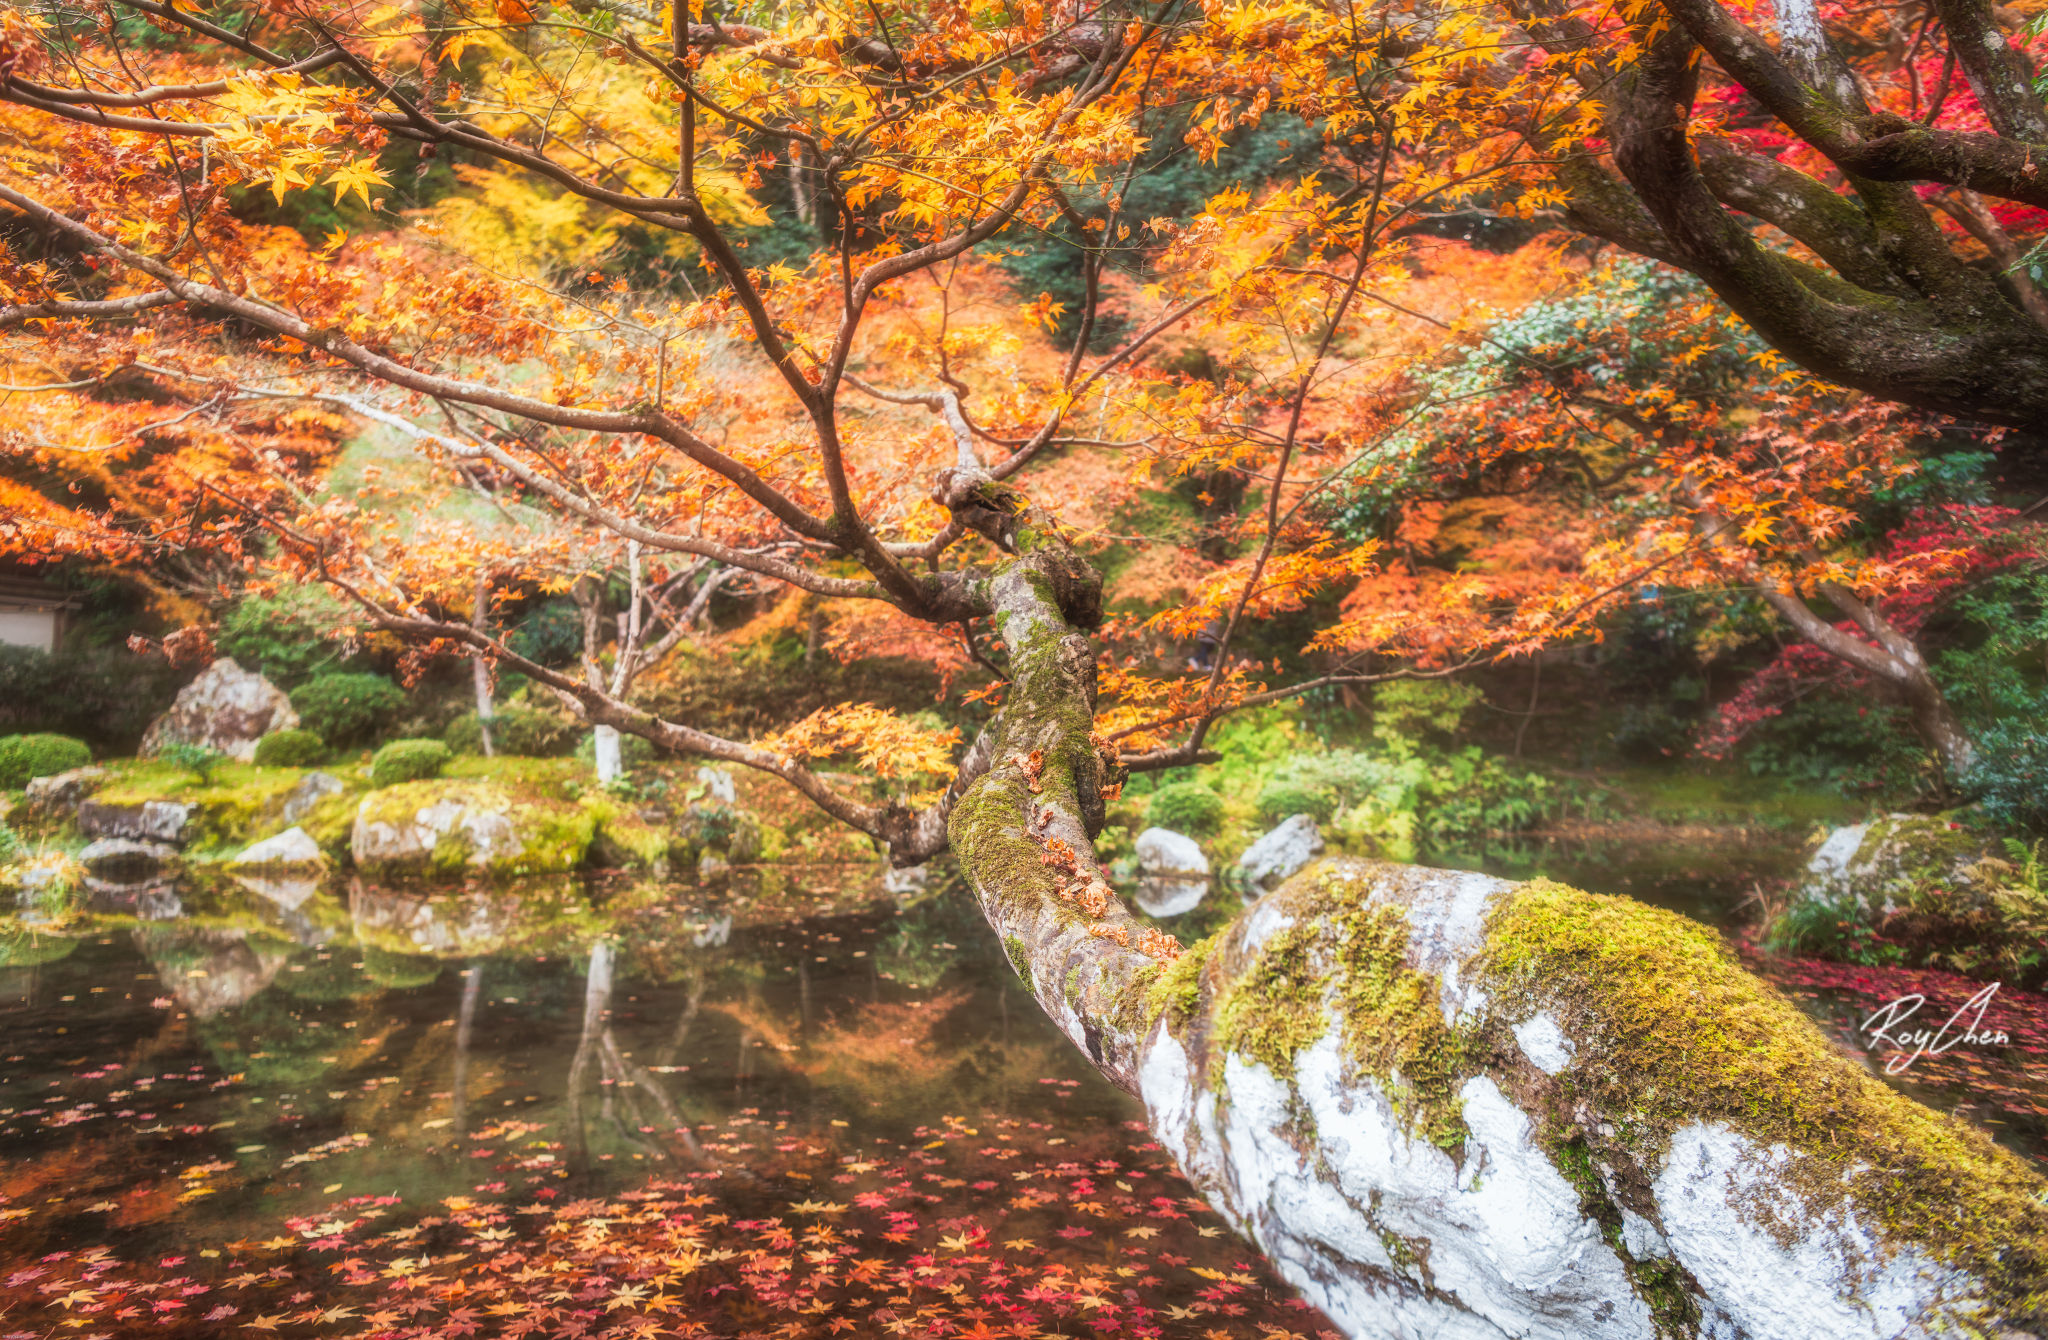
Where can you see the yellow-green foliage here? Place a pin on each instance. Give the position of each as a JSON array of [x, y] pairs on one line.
[[643, 845], [1671, 1030], [1274, 1008], [522, 223], [1394, 1024]]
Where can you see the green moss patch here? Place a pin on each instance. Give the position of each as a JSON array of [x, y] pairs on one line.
[[1670, 1030], [1350, 965], [1274, 1008], [1177, 991], [1394, 1026]]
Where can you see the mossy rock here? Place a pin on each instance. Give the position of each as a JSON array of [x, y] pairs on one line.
[[629, 842], [240, 804], [448, 827], [1495, 1035]]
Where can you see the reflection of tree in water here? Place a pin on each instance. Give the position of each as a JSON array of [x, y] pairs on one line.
[[633, 1102]]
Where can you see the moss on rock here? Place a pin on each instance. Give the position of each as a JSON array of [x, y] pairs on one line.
[[446, 827], [1671, 1031]]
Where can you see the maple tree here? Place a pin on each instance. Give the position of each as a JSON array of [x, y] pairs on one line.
[[686, 406], [1631, 439], [1890, 150]]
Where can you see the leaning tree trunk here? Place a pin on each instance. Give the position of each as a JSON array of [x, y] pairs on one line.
[[1449, 1106]]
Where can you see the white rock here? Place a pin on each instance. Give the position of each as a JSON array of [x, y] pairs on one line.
[[1832, 860], [717, 783], [294, 846], [1544, 1043], [152, 820], [1161, 851], [226, 708], [1725, 1203], [1280, 853]]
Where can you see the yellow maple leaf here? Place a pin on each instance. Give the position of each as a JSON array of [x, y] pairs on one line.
[[358, 176]]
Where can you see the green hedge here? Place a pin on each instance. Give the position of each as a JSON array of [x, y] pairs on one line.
[[1185, 807], [25, 757], [290, 749], [408, 761], [347, 709]]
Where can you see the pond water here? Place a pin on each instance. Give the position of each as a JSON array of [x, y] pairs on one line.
[[781, 1106], [377, 1100]]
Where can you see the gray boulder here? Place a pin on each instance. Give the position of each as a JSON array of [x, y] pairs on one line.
[[151, 821], [61, 793], [226, 708], [1161, 851], [313, 788], [1173, 874], [1879, 866], [293, 847], [446, 826], [1273, 858]]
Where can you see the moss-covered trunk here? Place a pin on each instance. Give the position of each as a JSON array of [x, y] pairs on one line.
[[1445, 1105]]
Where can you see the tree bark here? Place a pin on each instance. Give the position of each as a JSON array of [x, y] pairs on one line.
[[1447, 1105]]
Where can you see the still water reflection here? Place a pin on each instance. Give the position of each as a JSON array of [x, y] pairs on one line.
[[216, 1080]]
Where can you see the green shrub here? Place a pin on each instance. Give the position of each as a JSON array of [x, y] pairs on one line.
[[11, 849], [197, 759], [347, 709], [408, 761], [521, 732], [25, 757], [1323, 785], [288, 638], [290, 749], [2010, 775], [105, 696], [1185, 807]]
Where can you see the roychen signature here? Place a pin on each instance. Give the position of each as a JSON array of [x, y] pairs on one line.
[[1965, 1026]]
